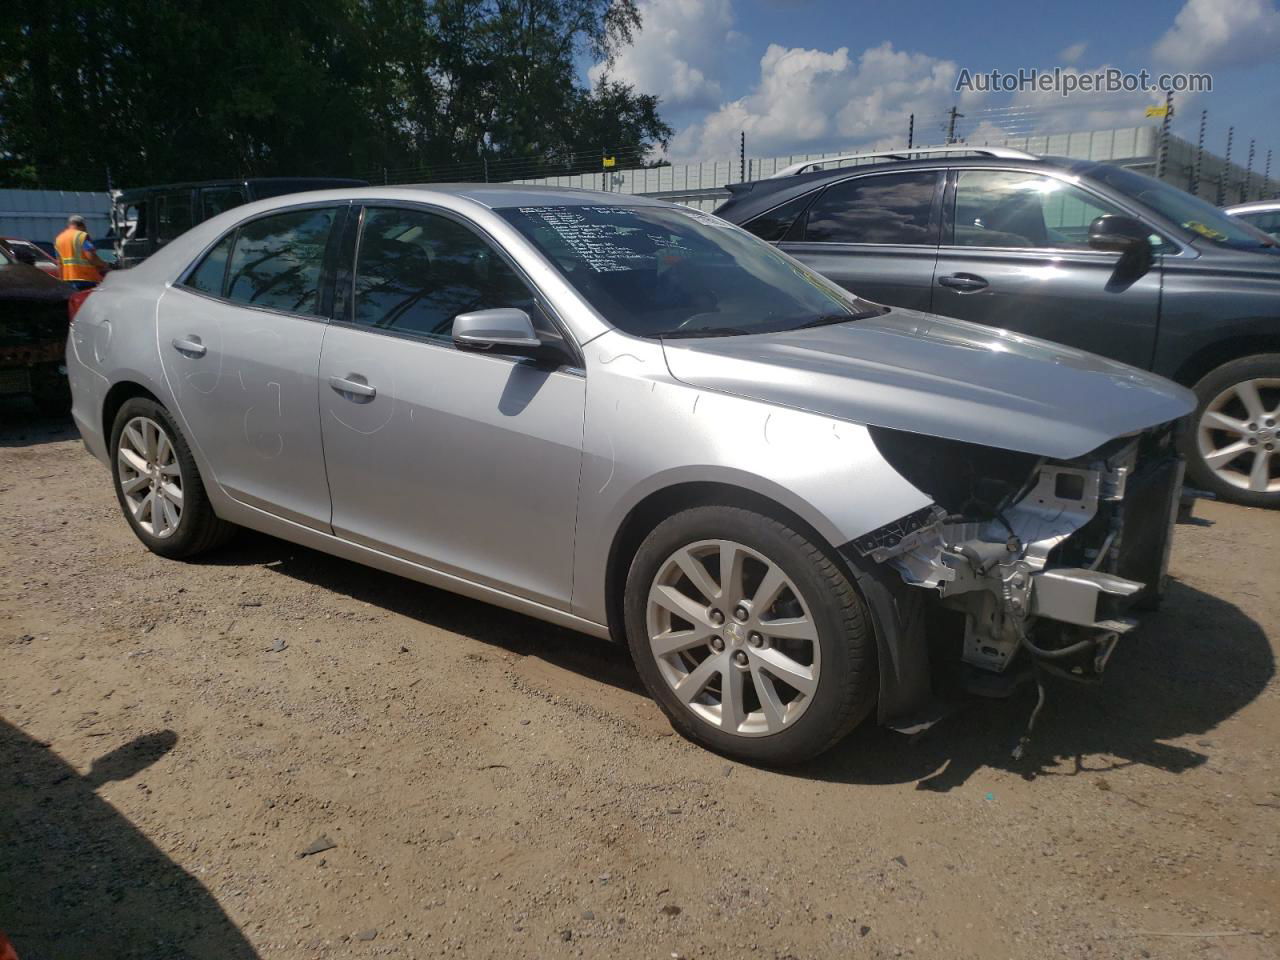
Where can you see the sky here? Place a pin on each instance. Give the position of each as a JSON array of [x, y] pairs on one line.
[[809, 75]]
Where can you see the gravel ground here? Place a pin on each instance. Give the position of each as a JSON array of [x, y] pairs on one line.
[[178, 741]]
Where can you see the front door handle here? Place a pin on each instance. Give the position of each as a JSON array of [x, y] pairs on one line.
[[353, 387], [964, 282], [190, 345]]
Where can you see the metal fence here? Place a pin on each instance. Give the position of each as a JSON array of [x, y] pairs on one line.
[[701, 185], [41, 214]]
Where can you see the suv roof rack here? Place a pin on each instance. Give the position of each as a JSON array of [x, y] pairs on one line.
[[1006, 153]]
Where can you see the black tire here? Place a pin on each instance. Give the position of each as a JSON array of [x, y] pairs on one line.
[[847, 679], [1199, 474], [199, 528]]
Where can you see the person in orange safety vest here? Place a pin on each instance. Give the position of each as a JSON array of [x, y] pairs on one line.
[[82, 268]]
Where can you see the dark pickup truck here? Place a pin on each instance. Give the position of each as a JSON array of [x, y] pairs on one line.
[[145, 219]]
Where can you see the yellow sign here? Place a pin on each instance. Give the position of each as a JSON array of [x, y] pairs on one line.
[[1157, 111], [608, 161]]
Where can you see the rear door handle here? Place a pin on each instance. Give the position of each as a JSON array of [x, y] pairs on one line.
[[353, 387], [191, 345], [964, 282]]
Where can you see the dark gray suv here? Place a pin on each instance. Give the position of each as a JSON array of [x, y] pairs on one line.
[[1087, 254]]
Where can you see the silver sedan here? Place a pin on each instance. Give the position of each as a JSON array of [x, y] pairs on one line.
[[638, 421]]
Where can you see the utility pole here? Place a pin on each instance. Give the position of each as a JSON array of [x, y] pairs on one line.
[[911, 131], [954, 115], [1226, 168], [1248, 176], [742, 156], [1266, 176], [1162, 157], [1195, 170]]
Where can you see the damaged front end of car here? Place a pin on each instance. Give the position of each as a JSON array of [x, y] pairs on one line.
[[1046, 561]]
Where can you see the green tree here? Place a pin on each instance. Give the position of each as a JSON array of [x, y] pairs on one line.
[[149, 91]]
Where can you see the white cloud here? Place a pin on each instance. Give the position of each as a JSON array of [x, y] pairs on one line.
[[678, 52], [1072, 53], [812, 99], [1208, 33]]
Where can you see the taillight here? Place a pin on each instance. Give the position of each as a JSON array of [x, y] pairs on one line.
[[76, 301]]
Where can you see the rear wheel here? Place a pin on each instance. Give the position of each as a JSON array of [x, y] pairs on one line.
[[749, 636], [158, 485], [1232, 441]]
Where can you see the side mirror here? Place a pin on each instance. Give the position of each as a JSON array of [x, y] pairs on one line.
[[1118, 234], [502, 330]]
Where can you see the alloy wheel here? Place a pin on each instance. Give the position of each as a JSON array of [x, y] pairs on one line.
[[150, 477], [733, 638], [1238, 435]]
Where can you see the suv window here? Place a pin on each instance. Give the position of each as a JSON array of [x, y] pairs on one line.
[[276, 261], [1268, 221], [214, 200], [886, 208], [173, 214], [1005, 208], [416, 271], [773, 226]]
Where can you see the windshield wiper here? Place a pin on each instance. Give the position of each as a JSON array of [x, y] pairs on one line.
[[829, 318], [707, 332]]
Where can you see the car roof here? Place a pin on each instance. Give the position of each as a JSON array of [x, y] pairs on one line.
[[136, 192], [1253, 206], [496, 195], [758, 196]]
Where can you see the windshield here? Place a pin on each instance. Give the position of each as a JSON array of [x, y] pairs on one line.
[[669, 271], [1189, 212]]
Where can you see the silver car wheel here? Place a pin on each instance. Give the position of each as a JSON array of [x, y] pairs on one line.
[[150, 477], [1238, 435], [733, 638]]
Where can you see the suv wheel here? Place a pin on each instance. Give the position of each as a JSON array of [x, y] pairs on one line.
[[1232, 442], [750, 637], [158, 485]]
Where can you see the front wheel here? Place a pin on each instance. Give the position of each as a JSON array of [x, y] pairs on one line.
[[158, 485], [1232, 440], [750, 637]]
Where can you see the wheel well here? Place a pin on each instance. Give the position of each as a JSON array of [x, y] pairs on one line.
[[116, 397], [656, 507], [1216, 354]]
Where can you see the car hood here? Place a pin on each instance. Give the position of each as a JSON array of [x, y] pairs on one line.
[[939, 377]]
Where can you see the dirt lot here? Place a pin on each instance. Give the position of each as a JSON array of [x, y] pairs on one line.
[[495, 787]]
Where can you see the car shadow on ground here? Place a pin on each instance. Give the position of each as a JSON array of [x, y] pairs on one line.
[[21, 427], [1188, 668], [524, 636], [79, 881], [1184, 671]]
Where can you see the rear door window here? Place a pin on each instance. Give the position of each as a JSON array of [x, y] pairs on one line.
[[773, 226], [210, 276], [276, 261], [894, 208]]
